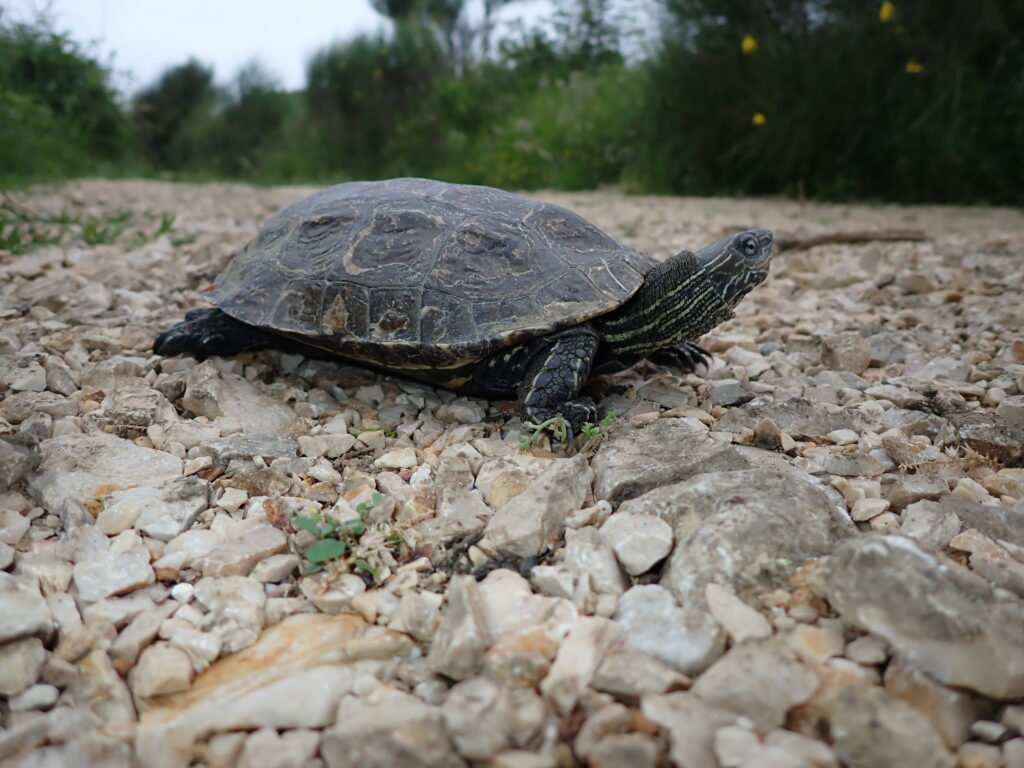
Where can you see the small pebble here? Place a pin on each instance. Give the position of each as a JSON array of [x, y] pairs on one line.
[[843, 437], [866, 509], [988, 731], [182, 592], [867, 650]]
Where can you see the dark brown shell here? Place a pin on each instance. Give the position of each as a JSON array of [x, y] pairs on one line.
[[414, 273]]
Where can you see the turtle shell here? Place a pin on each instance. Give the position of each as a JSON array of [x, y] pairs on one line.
[[414, 273]]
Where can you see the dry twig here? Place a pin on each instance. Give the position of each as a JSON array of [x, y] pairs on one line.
[[792, 243]]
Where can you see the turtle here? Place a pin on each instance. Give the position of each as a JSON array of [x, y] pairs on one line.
[[471, 288]]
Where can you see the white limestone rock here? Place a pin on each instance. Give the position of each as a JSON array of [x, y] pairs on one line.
[[689, 639], [162, 669], [639, 541]]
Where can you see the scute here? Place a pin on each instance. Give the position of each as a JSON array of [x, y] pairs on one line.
[[398, 246], [414, 273]]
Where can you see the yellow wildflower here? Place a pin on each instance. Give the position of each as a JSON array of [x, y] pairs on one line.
[[748, 45], [886, 11], [758, 118], [914, 67]]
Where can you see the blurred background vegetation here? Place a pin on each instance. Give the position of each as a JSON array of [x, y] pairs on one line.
[[912, 100]]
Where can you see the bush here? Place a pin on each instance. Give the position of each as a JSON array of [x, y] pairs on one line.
[[573, 134], [923, 105], [31, 144], [910, 100], [239, 136], [59, 114], [170, 116], [359, 92], [552, 111]]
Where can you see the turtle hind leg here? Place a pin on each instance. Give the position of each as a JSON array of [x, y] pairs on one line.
[[208, 332]]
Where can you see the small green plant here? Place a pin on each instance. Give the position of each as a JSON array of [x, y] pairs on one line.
[[20, 233], [166, 225], [556, 425], [22, 230], [102, 230], [363, 566], [559, 429], [364, 507], [333, 538], [594, 434], [594, 431]]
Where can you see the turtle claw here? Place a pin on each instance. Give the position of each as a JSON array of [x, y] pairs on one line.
[[577, 413], [564, 423], [688, 356]]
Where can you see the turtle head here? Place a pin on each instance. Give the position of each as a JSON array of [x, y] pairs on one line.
[[688, 294], [736, 264]]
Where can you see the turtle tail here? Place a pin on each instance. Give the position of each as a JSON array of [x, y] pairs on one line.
[[208, 332]]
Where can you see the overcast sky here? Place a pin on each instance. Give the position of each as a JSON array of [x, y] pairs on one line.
[[146, 36]]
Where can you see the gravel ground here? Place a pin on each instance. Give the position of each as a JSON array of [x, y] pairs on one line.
[[811, 556]]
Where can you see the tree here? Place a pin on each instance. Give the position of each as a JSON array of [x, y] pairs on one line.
[[359, 92], [396, 10], [163, 112], [440, 19], [586, 33], [487, 26], [445, 15], [248, 122], [65, 79]]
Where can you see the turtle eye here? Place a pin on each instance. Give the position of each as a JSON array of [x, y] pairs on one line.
[[749, 245]]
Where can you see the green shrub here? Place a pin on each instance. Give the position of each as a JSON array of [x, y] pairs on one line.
[[438, 137], [247, 124], [573, 134], [31, 144], [924, 105], [59, 114], [359, 92], [910, 100], [295, 155], [554, 110], [172, 114]]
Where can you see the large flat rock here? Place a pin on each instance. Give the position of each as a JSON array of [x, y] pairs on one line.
[[749, 530], [635, 460], [937, 615], [293, 677], [85, 467]]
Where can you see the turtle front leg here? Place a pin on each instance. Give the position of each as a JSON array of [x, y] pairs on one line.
[[688, 356], [554, 377], [208, 332]]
